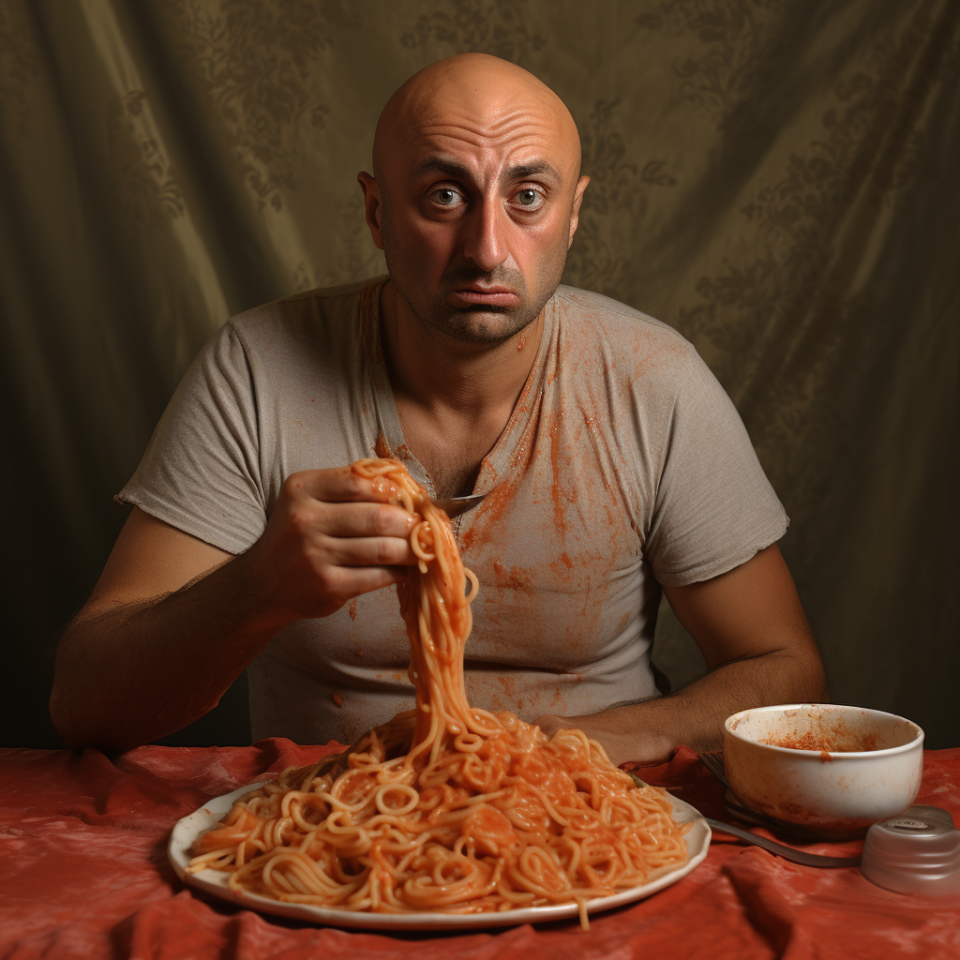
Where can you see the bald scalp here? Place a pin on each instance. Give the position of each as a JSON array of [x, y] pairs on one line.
[[480, 86]]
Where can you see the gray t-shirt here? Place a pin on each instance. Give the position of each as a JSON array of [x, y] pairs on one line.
[[623, 466]]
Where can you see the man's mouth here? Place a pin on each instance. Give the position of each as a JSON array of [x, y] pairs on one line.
[[478, 295]]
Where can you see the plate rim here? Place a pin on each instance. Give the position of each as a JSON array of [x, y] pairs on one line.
[[214, 882]]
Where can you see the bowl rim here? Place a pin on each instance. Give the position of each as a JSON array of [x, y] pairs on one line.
[[796, 752]]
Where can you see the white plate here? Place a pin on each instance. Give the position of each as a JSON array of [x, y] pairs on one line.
[[215, 882]]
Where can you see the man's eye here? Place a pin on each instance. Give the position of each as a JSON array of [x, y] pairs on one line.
[[445, 196], [528, 197]]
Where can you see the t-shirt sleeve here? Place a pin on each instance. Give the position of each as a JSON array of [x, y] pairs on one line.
[[714, 507], [201, 470]]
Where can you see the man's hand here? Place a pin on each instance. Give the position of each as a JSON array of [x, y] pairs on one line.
[[759, 650], [173, 620], [617, 732], [326, 542]]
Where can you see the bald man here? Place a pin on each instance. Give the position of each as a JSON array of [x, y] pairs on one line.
[[614, 466]]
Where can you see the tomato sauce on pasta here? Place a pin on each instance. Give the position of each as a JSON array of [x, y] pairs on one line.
[[445, 808]]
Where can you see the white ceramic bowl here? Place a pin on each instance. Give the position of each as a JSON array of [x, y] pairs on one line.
[[835, 769]]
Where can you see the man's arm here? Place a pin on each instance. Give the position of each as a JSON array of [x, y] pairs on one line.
[[173, 621], [759, 650]]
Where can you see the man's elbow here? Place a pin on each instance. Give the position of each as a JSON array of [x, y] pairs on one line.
[[71, 731], [78, 734], [78, 731], [809, 679], [80, 725]]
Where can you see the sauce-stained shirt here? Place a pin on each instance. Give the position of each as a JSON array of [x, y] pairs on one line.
[[624, 466]]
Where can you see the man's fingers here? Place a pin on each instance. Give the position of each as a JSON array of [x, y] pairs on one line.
[[349, 582], [325, 501], [336, 485], [329, 539], [336, 586], [367, 551], [315, 522], [365, 520]]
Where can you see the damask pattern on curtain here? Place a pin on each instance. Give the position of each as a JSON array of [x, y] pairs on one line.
[[775, 178]]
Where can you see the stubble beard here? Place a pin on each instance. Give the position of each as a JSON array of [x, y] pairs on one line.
[[488, 325]]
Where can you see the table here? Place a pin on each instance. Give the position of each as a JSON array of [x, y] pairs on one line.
[[85, 875]]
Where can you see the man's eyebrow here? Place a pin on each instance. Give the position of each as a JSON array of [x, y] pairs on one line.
[[519, 171], [443, 166], [523, 170]]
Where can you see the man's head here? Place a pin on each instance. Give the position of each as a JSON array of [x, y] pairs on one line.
[[475, 195]]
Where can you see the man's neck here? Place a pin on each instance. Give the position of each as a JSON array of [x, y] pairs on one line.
[[453, 398]]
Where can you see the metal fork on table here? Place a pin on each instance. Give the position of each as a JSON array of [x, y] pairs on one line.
[[714, 763]]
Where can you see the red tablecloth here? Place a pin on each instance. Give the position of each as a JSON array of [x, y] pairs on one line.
[[85, 875]]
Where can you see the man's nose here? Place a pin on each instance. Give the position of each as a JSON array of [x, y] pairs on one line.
[[485, 241]]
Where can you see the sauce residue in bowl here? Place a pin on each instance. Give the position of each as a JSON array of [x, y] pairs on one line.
[[825, 742]]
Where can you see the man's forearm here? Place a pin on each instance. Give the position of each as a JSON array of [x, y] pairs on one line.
[[131, 674], [649, 731], [751, 629]]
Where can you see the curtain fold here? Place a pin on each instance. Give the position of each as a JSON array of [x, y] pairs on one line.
[[774, 178]]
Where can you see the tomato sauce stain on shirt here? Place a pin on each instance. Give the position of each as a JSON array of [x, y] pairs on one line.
[[515, 579]]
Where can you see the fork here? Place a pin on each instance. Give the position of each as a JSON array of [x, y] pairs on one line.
[[781, 849], [454, 506], [714, 763]]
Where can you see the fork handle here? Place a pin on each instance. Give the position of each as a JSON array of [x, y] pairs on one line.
[[781, 849]]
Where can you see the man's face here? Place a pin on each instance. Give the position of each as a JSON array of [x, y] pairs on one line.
[[478, 208]]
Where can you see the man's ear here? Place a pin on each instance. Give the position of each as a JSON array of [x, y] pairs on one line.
[[373, 206], [575, 209]]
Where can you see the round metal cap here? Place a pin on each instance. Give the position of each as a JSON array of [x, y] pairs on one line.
[[915, 852]]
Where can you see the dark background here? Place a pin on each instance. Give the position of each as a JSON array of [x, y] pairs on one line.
[[776, 180]]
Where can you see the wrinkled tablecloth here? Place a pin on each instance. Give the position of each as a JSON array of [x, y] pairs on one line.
[[85, 874]]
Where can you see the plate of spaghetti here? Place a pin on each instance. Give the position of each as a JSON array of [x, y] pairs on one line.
[[446, 816]]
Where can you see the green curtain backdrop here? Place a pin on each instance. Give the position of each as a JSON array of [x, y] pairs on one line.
[[775, 178]]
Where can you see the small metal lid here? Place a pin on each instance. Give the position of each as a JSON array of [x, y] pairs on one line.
[[917, 851]]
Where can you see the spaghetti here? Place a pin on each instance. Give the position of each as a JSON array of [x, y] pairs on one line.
[[446, 807]]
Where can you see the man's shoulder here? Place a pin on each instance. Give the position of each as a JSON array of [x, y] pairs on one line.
[[616, 321], [605, 308], [313, 302]]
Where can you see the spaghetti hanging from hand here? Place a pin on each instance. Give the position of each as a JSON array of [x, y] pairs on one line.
[[445, 808]]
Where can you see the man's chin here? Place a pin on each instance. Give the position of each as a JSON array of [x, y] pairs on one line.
[[483, 325], [479, 308]]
